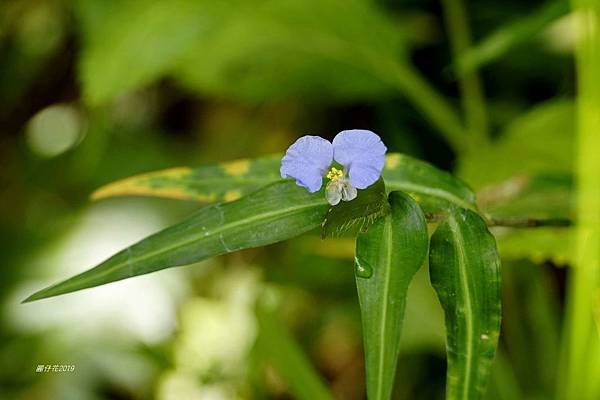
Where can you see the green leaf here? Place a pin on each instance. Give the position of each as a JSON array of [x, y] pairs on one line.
[[538, 186], [208, 184], [369, 205], [537, 244], [278, 212], [542, 140], [228, 181], [128, 44], [465, 272], [542, 196], [387, 258], [254, 51], [238, 49], [278, 347], [511, 35], [427, 184], [317, 49], [531, 324]]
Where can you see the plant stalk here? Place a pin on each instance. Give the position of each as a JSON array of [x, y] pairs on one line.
[[473, 101], [581, 339]]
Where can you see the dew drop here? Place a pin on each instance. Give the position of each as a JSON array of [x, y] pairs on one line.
[[362, 269]]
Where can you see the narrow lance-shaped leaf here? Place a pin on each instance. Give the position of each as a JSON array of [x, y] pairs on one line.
[[465, 272], [387, 257], [275, 213], [226, 181], [231, 180]]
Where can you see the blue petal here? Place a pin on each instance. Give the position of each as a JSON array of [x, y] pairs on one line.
[[362, 153], [307, 160]]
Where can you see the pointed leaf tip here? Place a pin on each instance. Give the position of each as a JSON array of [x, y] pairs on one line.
[[251, 221]]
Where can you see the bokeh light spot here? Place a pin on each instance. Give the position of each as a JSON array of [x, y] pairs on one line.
[[54, 130]]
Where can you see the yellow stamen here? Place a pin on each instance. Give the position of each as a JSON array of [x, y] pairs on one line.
[[334, 174]]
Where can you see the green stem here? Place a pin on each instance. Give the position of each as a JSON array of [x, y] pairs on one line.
[[473, 101], [581, 344], [432, 104], [511, 35], [527, 222], [513, 222]]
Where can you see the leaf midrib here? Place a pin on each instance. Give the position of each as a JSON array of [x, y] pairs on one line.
[[387, 240], [391, 184], [464, 283], [443, 194]]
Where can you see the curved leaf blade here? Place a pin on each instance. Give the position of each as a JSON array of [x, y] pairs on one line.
[[229, 181], [394, 248], [465, 272], [275, 213]]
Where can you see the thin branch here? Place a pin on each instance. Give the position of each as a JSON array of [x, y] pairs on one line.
[[512, 222], [432, 104], [526, 222]]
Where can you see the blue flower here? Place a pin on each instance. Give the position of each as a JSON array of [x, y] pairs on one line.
[[360, 152]]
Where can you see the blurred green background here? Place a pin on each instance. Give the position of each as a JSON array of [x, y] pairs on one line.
[[93, 91]]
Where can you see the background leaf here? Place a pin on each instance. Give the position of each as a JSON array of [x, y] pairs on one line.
[[387, 257], [536, 244], [276, 346], [252, 51], [529, 294], [130, 43], [538, 186], [465, 272], [545, 197], [511, 35], [541, 139], [283, 42], [257, 50], [275, 213], [529, 196]]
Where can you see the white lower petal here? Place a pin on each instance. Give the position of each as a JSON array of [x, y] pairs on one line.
[[349, 192], [333, 193]]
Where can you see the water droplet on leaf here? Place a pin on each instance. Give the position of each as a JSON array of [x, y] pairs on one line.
[[362, 269]]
